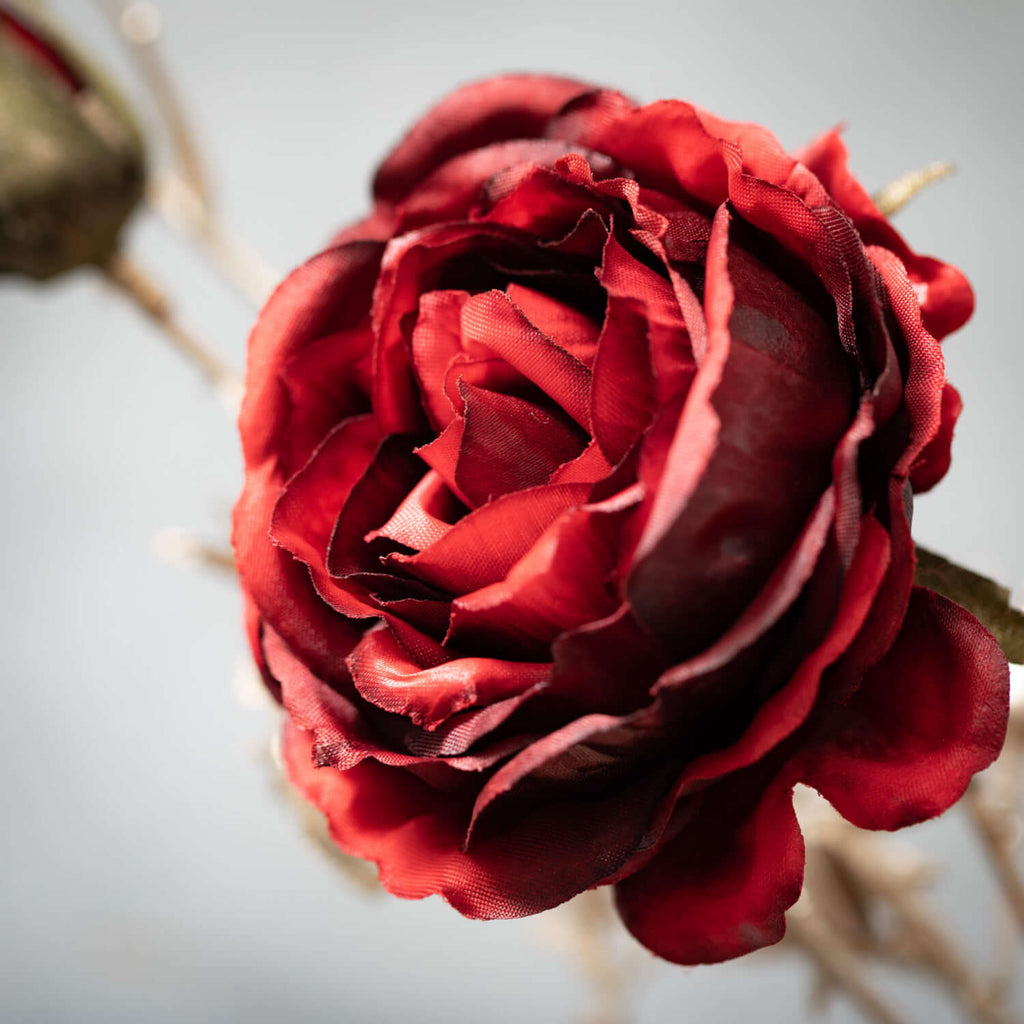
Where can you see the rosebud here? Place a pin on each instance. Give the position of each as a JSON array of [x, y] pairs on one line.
[[71, 156]]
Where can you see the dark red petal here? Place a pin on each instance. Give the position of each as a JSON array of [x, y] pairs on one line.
[[925, 376], [641, 313], [416, 834], [696, 434], [311, 501], [280, 587], [328, 294], [478, 114], [767, 608], [783, 403], [327, 381], [454, 190], [788, 709], [509, 444], [426, 514], [390, 475], [342, 735], [673, 147], [945, 294], [566, 327], [482, 547], [890, 603], [933, 462], [492, 321], [436, 341], [549, 754], [721, 887], [928, 716], [607, 664], [414, 265], [387, 675], [559, 584]]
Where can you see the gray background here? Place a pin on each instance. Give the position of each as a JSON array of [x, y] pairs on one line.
[[148, 872]]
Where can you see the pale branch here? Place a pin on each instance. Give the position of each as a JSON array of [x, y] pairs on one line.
[[178, 547], [837, 962], [894, 196], [139, 24], [238, 263], [135, 284]]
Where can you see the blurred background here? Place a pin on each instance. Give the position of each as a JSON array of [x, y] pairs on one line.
[[149, 870]]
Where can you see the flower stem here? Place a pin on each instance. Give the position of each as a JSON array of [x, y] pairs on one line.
[[181, 548], [183, 197], [170, 197], [894, 196], [134, 283], [838, 963]]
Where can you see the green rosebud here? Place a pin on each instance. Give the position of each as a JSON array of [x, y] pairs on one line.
[[72, 165]]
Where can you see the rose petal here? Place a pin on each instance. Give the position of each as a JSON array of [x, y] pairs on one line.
[[329, 381], [922, 391], [509, 444], [436, 341], [425, 515], [721, 887], [482, 547], [452, 191], [568, 328], [935, 458], [305, 514], [372, 500], [415, 834], [491, 320], [929, 715], [503, 107], [386, 675], [559, 584], [947, 300], [782, 412]]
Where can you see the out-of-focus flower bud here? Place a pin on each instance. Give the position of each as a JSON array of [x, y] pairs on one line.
[[71, 156]]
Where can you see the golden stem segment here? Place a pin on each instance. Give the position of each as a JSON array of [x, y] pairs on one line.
[[894, 196]]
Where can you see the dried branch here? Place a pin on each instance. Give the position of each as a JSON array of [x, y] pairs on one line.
[[837, 961], [134, 283], [180, 548], [894, 196], [172, 200]]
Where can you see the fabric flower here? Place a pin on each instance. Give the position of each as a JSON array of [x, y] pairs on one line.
[[576, 520]]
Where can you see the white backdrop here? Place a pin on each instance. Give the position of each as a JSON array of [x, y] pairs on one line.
[[148, 872]]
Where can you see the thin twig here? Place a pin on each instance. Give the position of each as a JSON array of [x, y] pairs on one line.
[[998, 832], [593, 922], [180, 548], [139, 24], [134, 283], [183, 197], [861, 853], [837, 962], [894, 196], [172, 200]]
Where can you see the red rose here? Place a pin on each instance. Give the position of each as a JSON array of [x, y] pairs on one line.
[[575, 528]]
